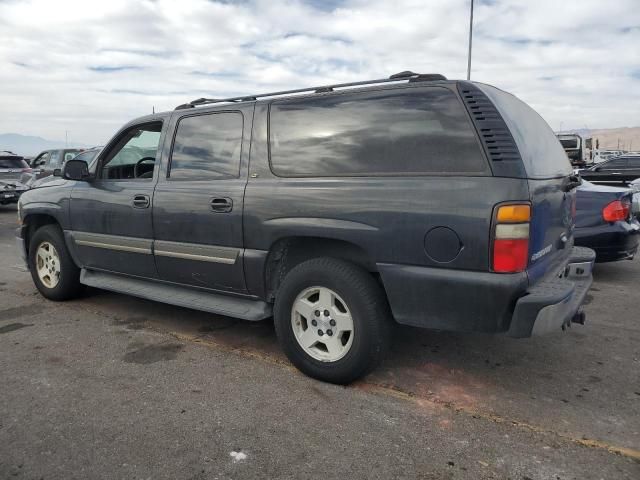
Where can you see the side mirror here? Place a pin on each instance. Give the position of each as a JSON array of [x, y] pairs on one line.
[[76, 170], [57, 172]]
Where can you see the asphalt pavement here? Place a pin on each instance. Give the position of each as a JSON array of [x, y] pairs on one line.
[[110, 386]]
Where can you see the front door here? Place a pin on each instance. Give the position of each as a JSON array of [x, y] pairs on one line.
[[111, 215], [40, 163], [197, 206]]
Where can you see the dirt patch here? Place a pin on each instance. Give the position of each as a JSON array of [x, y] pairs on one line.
[[153, 353], [23, 311], [14, 326], [131, 323]]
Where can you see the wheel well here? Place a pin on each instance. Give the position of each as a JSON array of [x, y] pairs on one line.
[[288, 252], [34, 222]]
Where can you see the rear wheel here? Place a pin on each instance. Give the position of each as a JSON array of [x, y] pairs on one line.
[[332, 320], [53, 270]]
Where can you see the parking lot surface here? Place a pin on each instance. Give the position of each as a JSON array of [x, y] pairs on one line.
[[110, 386]]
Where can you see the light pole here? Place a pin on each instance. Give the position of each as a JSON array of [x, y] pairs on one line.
[[470, 43]]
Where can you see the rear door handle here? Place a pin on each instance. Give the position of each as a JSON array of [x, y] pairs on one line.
[[141, 201], [221, 205]]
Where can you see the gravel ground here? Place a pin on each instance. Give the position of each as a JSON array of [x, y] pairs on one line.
[[110, 386]]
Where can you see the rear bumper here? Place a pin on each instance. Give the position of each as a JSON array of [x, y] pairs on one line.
[[611, 241], [466, 301], [553, 302]]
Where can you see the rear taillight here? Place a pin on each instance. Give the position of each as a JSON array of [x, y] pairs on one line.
[[511, 238], [616, 211]]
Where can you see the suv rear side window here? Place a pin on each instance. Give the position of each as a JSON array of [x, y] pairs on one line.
[[541, 152], [207, 147], [387, 132]]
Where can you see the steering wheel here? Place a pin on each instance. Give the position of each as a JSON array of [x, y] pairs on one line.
[[136, 169]]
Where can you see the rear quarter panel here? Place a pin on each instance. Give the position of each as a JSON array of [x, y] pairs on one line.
[[386, 216]]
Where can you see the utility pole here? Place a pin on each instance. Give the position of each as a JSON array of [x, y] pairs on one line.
[[470, 43]]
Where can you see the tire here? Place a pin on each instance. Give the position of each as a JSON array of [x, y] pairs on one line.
[[353, 293], [56, 287]]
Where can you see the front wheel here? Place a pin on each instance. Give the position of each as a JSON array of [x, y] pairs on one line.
[[54, 273], [332, 320]]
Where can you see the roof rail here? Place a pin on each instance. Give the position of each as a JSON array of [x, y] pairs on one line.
[[398, 77]]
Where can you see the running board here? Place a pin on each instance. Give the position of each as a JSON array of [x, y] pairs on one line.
[[227, 305]]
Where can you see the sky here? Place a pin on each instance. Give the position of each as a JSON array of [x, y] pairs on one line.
[[87, 67]]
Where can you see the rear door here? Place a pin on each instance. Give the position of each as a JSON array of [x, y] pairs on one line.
[[198, 202], [548, 172]]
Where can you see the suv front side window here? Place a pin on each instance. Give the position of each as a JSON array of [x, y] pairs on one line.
[[41, 160], [134, 154]]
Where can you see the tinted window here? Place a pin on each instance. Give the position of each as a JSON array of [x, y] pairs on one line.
[[13, 163], [633, 162], [615, 164], [541, 152], [207, 147], [406, 131]]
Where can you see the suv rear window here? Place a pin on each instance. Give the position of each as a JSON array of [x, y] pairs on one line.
[[541, 152], [385, 132], [13, 163]]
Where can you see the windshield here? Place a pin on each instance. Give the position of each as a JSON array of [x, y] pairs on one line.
[[569, 142]]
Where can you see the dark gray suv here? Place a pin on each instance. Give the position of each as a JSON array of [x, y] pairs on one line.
[[337, 210]]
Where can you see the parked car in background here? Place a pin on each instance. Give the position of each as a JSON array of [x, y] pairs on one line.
[[605, 222], [617, 171], [600, 156], [47, 161], [416, 199], [35, 181], [12, 167]]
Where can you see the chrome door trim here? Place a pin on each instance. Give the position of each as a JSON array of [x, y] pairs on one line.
[[162, 248], [113, 242], [193, 251]]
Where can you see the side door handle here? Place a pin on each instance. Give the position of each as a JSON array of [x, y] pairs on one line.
[[221, 205], [141, 201]]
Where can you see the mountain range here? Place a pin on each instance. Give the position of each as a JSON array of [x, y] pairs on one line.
[[29, 146]]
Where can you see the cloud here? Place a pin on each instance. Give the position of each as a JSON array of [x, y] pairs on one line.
[[90, 66]]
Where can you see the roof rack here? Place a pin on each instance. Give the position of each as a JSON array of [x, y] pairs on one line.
[[406, 75]]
